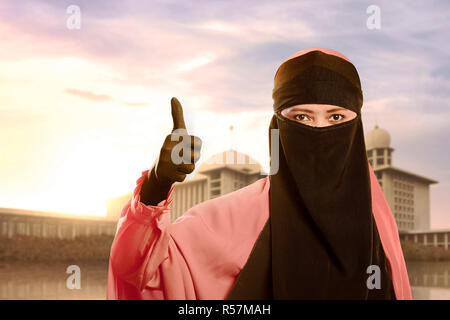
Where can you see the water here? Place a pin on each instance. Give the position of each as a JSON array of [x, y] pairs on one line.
[[42, 282], [429, 280]]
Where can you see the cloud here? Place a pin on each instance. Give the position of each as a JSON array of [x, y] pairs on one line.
[[95, 97], [89, 95]]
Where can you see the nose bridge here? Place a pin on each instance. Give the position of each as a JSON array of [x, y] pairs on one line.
[[321, 119]]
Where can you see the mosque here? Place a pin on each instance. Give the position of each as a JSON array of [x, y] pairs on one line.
[[407, 193]]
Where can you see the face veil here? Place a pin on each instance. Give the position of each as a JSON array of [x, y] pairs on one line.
[[321, 236]]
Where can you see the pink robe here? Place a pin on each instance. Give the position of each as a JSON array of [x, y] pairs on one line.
[[200, 255]]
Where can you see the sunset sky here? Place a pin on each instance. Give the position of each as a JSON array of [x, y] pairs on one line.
[[84, 111]]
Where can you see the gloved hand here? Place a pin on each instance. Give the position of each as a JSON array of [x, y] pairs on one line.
[[176, 159]]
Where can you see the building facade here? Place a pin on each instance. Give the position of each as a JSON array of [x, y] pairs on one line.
[[407, 193], [19, 222], [431, 238]]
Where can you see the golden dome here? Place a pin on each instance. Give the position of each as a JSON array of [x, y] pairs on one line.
[[233, 159], [377, 138]]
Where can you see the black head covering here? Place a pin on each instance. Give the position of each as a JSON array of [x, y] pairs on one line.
[[320, 237]]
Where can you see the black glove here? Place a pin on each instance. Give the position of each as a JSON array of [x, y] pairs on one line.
[[169, 168]]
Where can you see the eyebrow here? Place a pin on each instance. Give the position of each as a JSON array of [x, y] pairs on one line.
[[302, 110], [311, 111], [335, 109]]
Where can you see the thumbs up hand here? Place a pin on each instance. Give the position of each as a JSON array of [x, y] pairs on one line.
[[180, 150], [177, 158]]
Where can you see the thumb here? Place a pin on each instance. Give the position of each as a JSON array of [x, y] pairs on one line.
[[177, 114]]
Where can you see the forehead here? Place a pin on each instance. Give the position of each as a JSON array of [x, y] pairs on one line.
[[317, 108]]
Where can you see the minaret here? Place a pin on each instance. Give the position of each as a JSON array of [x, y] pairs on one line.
[[378, 147], [231, 137]]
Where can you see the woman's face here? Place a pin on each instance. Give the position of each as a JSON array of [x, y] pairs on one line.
[[318, 115]]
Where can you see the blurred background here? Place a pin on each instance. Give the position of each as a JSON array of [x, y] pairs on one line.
[[85, 92]]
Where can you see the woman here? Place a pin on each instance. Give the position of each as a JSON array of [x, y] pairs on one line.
[[309, 231]]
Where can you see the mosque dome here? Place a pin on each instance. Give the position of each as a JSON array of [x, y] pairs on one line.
[[233, 159], [377, 138]]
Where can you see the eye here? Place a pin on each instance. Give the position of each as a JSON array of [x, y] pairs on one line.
[[301, 117], [336, 117]]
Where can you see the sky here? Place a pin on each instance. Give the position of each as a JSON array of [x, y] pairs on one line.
[[84, 111]]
